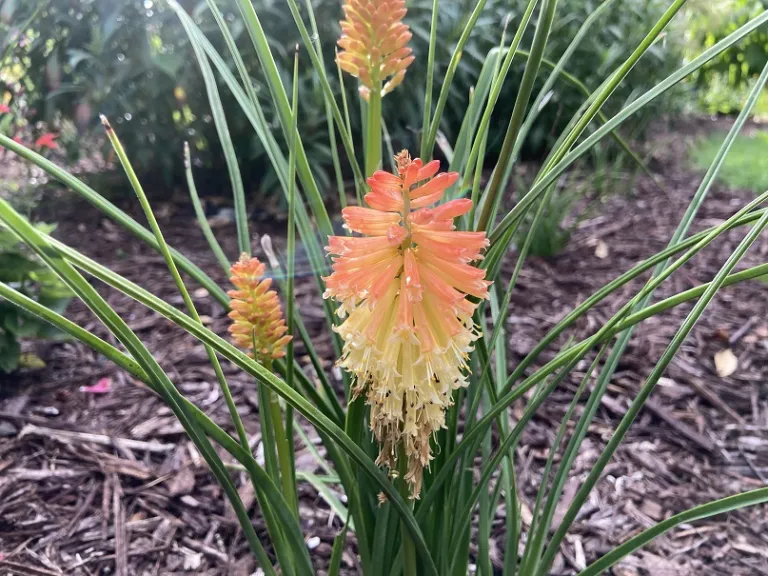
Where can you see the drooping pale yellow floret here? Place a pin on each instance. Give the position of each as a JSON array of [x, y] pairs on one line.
[[403, 288], [374, 44], [257, 320]]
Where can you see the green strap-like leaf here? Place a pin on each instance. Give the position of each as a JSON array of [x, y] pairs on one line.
[[721, 506], [27, 234], [113, 212], [589, 142]]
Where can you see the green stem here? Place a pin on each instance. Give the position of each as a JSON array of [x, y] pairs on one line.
[[373, 133], [276, 441], [284, 452]]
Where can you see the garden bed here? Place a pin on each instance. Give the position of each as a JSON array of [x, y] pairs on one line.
[[99, 483]]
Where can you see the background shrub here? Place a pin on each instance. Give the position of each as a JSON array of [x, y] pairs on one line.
[[725, 81], [22, 270], [131, 61]]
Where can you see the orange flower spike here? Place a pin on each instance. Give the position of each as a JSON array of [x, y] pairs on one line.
[[257, 319], [374, 44], [403, 289]]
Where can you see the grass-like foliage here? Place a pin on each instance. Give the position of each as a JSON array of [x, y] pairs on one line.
[[743, 166], [414, 296]]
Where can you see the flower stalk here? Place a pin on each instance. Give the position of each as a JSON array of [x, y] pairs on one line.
[[373, 135], [258, 325]]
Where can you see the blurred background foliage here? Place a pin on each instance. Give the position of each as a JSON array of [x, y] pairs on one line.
[[725, 81], [130, 60]]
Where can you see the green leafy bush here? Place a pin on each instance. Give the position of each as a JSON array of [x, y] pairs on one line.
[[21, 185], [128, 60], [725, 81], [22, 270]]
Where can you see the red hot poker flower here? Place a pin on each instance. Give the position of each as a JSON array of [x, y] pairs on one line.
[[374, 43], [403, 288], [257, 319]]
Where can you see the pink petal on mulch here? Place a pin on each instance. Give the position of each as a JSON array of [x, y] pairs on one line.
[[101, 387]]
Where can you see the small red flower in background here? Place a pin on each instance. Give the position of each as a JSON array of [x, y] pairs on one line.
[[47, 140], [4, 109]]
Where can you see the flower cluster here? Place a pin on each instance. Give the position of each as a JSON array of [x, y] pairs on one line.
[[374, 44], [403, 292], [257, 320], [46, 140]]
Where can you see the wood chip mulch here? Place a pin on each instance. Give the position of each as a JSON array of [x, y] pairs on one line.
[[107, 483]]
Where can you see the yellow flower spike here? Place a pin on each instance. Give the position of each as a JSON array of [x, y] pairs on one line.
[[403, 289], [374, 44], [257, 318]]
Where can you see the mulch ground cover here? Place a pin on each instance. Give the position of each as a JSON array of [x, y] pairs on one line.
[[107, 483]]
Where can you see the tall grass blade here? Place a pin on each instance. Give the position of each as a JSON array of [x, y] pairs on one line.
[[645, 391], [317, 64], [255, 115], [329, 113], [498, 82], [210, 237], [27, 234], [540, 38], [286, 557], [614, 122], [339, 542], [618, 350], [280, 99], [296, 400], [429, 143], [222, 129], [113, 212], [714, 508], [425, 150]]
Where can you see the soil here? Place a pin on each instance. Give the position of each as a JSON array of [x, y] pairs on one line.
[[137, 499]]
